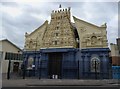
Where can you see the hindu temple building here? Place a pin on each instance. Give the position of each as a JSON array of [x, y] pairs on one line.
[[66, 49]]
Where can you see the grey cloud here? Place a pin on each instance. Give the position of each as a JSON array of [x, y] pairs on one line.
[[119, 19], [14, 36], [26, 21], [69, 4], [16, 27], [10, 4]]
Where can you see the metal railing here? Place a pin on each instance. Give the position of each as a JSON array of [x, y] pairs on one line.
[[63, 69]]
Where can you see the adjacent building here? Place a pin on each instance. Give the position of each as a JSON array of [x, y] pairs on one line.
[[66, 49], [115, 56], [115, 53], [10, 53]]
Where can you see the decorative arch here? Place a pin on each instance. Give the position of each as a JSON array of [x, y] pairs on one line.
[[30, 62], [93, 40], [95, 64]]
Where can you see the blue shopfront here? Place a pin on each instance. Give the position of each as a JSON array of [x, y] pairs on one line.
[[116, 72], [69, 63]]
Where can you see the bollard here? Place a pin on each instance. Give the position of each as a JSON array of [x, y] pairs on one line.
[[53, 76], [24, 71], [56, 76]]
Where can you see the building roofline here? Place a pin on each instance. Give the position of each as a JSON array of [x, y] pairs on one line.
[[39, 27], [11, 43], [75, 18]]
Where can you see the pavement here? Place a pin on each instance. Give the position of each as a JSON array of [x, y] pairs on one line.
[[56, 82], [35, 82]]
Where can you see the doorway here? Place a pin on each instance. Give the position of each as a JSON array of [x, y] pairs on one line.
[[55, 64], [15, 66]]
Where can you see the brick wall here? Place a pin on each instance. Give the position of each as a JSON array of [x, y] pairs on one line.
[[116, 60]]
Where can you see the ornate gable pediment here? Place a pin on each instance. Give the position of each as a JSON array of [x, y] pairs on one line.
[[33, 41], [91, 36]]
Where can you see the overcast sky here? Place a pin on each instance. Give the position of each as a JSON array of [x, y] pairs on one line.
[[20, 17]]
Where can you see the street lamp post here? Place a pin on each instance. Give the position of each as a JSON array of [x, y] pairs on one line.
[[39, 66], [23, 71], [34, 69], [40, 69], [95, 69], [83, 68], [24, 68], [9, 65], [78, 70]]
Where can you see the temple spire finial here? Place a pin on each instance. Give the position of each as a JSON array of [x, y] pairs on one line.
[[60, 6]]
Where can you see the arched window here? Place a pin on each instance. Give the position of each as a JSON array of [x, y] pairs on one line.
[[30, 44], [93, 40], [95, 64], [30, 63]]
